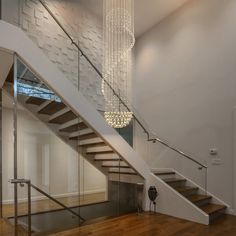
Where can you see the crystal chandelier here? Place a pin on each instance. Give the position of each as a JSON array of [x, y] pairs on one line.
[[118, 34]]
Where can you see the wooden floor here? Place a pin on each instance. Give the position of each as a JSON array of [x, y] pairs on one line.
[[47, 205], [154, 225], [143, 225], [8, 230]]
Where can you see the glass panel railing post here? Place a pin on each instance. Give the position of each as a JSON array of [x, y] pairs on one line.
[[22, 183], [139, 197], [1, 161], [80, 179], [15, 164], [206, 179], [118, 188], [29, 207]]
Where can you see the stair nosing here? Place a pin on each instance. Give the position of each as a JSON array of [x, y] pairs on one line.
[[103, 144], [123, 173], [165, 173], [59, 113], [70, 123], [174, 180], [111, 166], [106, 159], [99, 152], [187, 189], [93, 140], [80, 133], [222, 207], [199, 200]]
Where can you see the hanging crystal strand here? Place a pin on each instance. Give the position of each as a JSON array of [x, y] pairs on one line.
[[118, 41], [128, 61], [114, 21], [131, 57], [126, 64], [110, 55], [112, 50], [120, 32], [103, 45]]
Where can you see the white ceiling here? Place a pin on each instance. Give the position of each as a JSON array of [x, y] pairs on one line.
[[147, 12]]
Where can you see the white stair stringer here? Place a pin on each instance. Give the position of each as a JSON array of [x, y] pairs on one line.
[[169, 202], [6, 63], [172, 203]]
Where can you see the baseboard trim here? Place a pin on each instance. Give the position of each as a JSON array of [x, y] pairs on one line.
[[230, 211], [62, 195]]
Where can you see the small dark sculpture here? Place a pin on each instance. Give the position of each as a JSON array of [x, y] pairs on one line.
[[152, 194]]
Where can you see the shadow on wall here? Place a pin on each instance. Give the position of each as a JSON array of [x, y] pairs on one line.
[[191, 14]]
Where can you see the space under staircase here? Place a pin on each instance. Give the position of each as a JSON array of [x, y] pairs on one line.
[[34, 95], [50, 109]]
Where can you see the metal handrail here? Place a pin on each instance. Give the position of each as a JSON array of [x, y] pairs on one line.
[[154, 140], [30, 185], [22, 182], [116, 94]]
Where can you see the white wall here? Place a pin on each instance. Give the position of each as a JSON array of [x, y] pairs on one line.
[[186, 88], [42, 157], [84, 27], [10, 11]]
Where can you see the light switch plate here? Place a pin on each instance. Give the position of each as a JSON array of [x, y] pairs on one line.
[[213, 151]]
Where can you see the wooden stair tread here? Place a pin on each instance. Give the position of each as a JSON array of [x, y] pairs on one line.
[[116, 166], [122, 173], [107, 159], [98, 144], [165, 173], [184, 189], [85, 136], [35, 101], [197, 198], [52, 108], [78, 135], [212, 208], [174, 180], [67, 116], [75, 127], [99, 152]]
